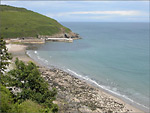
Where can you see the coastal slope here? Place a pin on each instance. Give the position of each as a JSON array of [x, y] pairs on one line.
[[20, 22]]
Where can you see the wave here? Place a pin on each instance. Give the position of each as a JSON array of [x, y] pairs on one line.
[[38, 57], [106, 88], [35, 52]]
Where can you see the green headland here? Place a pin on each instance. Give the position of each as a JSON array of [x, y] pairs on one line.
[[20, 22]]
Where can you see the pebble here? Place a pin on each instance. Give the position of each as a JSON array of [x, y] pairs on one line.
[[79, 93]]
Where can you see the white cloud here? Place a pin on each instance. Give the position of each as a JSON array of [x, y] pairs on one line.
[[98, 15], [86, 10], [121, 13]]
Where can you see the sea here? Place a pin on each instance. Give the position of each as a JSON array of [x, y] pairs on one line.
[[113, 56]]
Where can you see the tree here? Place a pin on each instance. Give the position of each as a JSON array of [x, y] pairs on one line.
[[33, 87], [6, 100], [4, 56], [8, 106]]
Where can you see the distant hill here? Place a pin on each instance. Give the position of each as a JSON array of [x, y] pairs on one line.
[[20, 22]]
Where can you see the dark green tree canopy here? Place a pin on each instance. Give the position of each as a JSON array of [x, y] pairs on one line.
[[4, 56], [33, 87]]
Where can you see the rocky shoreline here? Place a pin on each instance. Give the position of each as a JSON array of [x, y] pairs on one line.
[[75, 95]]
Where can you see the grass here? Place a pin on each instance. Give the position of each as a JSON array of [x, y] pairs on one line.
[[20, 22], [29, 106]]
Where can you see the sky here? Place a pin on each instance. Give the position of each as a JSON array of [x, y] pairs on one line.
[[88, 11]]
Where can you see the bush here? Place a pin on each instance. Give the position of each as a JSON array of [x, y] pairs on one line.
[[28, 106], [8, 106], [33, 87], [5, 100]]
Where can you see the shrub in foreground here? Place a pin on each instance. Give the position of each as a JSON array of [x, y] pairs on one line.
[[27, 78]]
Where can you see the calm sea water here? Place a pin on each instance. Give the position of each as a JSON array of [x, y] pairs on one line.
[[113, 55]]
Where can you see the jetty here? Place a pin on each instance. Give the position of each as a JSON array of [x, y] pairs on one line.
[[40, 39], [59, 39], [37, 41], [26, 41]]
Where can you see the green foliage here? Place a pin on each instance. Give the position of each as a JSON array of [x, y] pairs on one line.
[[8, 106], [28, 106], [20, 22], [35, 97], [10, 8], [4, 56], [55, 108], [27, 77], [5, 100]]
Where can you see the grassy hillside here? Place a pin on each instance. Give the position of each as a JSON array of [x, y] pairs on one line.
[[20, 22]]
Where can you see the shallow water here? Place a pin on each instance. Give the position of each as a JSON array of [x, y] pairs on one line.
[[115, 55]]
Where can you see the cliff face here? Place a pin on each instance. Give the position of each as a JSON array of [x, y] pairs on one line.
[[20, 22], [62, 35]]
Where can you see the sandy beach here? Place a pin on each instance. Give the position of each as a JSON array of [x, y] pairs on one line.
[[75, 95]]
